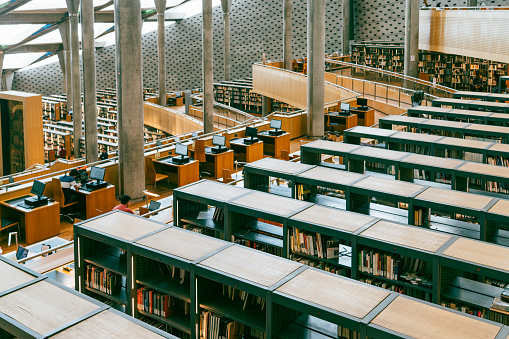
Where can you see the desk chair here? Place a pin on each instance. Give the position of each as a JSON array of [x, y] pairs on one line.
[[58, 195], [332, 126], [7, 223], [199, 155], [151, 175]]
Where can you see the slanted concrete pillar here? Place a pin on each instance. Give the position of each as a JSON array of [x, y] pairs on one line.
[[208, 71], [412, 38], [345, 41], [129, 98], [61, 61], [227, 7], [73, 7], [161, 8], [89, 81], [188, 101], [2, 55], [7, 79], [287, 34], [316, 68], [266, 106], [63, 27]]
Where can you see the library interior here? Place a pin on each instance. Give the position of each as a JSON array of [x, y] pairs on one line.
[[253, 169]]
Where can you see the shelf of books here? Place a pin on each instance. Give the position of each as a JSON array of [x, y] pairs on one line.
[[238, 95], [386, 56], [201, 206], [444, 113]]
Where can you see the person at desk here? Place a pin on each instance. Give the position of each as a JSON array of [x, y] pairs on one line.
[[62, 152], [125, 201], [68, 183], [477, 82], [103, 155]]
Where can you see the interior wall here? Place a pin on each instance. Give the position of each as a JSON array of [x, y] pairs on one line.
[[256, 28]]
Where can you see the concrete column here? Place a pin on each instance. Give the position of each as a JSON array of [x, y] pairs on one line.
[[412, 38], [161, 8], [129, 98], [2, 55], [471, 3], [188, 101], [345, 41], [316, 68], [73, 7], [266, 106], [227, 7], [287, 34], [7, 79], [61, 61], [89, 81], [208, 71], [63, 27]]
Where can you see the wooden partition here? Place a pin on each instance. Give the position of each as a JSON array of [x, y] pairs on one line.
[[169, 120]]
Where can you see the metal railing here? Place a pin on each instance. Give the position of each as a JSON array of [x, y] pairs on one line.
[[36, 255]]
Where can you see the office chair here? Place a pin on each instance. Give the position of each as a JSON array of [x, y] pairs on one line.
[[58, 195], [151, 175]]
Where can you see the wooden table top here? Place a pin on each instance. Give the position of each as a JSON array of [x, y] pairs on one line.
[[380, 153], [333, 218], [123, 225], [252, 265], [43, 307], [106, 324], [467, 112], [271, 203], [445, 123], [331, 146], [165, 216], [419, 238], [455, 198], [499, 147], [488, 128], [331, 175], [214, 190], [182, 243], [430, 109], [402, 118], [277, 165], [45, 264], [485, 169], [479, 252], [334, 292], [373, 131], [464, 142], [501, 207], [488, 104], [416, 137], [399, 188], [419, 320], [445, 101], [432, 161], [498, 115], [11, 276]]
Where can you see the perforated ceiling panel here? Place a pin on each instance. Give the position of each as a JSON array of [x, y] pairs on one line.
[[256, 28]]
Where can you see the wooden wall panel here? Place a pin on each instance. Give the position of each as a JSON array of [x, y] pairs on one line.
[[473, 33], [169, 120]]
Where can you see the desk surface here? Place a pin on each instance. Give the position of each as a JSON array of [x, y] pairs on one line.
[[464, 143], [380, 153], [333, 218], [208, 150], [181, 243], [43, 307], [45, 264], [416, 137], [123, 225], [240, 142], [479, 252], [428, 109], [455, 198], [431, 161], [266, 202], [13, 203], [485, 169], [106, 324], [331, 146], [398, 188], [168, 161], [277, 165], [419, 238], [334, 292], [331, 175], [372, 131], [501, 207], [214, 190], [82, 191], [252, 265], [419, 320], [11, 276], [266, 134]]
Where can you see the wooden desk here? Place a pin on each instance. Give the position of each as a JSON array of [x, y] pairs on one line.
[[274, 144], [245, 152], [215, 163], [419, 320], [98, 202], [39, 223], [343, 121], [180, 175], [364, 117], [176, 101]]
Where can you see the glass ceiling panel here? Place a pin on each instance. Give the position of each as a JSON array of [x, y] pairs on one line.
[[51, 4], [12, 34], [20, 60]]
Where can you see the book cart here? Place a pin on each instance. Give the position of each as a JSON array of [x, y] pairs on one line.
[[202, 204], [34, 306], [282, 294]]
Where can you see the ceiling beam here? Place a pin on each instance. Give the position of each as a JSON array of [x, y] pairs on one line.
[[169, 17], [12, 5], [37, 48]]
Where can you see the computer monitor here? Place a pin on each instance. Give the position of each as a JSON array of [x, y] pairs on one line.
[[181, 149], [154, 205], [344, 107], [363, 102], [219, 140], [276, 124], [21, 253], [97, 173], [251, 132], [38, 188]]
